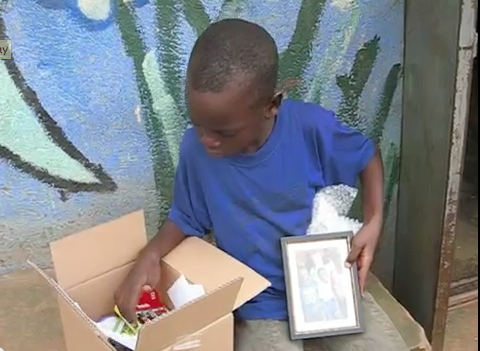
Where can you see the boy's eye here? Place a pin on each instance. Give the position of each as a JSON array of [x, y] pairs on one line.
[[227, 134]]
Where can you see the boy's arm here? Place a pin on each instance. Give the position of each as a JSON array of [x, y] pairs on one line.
[[364, 244], [373, 191], [188, 215], [347, 155]]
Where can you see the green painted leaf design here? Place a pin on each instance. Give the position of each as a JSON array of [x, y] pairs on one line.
[[198, 18], [392, 165], [386, 100], [169, 45], [297, 56], [25, 136], [33, 142], [164, 106], [231, 9], [352, 85], [334, 56], [196, 15], [163, 165]]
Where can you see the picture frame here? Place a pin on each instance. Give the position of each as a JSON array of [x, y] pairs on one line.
[[323, 295]]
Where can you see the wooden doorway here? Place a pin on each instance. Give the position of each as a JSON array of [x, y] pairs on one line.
[[465, 265], [439, 39]]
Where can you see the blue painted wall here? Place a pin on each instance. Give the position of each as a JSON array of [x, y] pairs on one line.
[[91, 105]]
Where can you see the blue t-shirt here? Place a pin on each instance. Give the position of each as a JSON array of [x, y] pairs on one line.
[[251, 201]]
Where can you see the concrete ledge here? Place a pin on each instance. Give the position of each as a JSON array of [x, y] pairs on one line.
[[29, 320], [411, 331]]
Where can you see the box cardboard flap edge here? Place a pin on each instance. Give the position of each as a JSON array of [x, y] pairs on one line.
[[107, 246], [221, 269], [68, 300], [178, 326]]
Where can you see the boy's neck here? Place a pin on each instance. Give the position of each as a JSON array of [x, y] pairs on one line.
[[263, 136]]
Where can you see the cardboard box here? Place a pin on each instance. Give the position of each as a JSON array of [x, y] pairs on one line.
[[91, 265]]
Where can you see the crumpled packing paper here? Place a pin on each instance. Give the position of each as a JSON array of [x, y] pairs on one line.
[[330, 211]]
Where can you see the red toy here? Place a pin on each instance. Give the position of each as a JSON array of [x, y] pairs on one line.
[[150, 307]]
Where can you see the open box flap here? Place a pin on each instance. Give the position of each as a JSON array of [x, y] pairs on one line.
[[178, 326], [85, 321], [95, 251], [203, 263]]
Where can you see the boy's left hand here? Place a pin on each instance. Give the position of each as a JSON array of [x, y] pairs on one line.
[[364, 245]]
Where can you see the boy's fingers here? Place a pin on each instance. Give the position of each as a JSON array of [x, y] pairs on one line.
[[362, 276], [128, 310], [129, 314], [353, 255]]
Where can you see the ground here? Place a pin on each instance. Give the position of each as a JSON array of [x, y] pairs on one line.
[[29, 320]]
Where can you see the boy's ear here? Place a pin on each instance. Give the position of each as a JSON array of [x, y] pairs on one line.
[[288, 85], [274, 106]]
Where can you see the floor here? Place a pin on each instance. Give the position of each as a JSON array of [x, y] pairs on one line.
[[462, 332], [29, 320]]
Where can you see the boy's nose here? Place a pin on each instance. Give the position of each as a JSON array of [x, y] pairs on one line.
[[210, 142]]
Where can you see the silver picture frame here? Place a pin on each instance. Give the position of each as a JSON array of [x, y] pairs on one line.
[[323, 295]]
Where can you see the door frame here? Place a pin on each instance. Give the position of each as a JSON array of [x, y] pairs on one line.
[[439, 50]]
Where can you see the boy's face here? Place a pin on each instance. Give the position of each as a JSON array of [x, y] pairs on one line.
[[227, 122]]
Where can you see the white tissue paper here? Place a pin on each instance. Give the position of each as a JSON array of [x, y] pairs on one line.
[[330, 210], [182, 292]]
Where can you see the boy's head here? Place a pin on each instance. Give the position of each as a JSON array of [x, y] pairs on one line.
[[231, 82]]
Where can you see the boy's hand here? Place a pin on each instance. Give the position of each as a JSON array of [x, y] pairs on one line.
[[364, 245], [145, 275]]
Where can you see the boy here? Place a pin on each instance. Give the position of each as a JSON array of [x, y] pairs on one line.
[[249, 171]]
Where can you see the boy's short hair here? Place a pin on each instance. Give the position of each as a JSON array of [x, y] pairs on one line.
[[230, 49]]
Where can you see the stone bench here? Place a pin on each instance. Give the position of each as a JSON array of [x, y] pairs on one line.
[[29, 320], [411, 331]]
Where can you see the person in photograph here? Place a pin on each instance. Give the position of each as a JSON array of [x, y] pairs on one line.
[[340, 278], [340, 289], [327, 295], [311, 307]]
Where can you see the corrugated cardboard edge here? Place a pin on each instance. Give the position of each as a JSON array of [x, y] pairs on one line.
[[108, 245], [181, 340], [253, 284], [194, 341], [63, 295], [165, 315]]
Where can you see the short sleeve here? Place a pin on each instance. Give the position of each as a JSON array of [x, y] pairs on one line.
[[188, 210], [344, 152]]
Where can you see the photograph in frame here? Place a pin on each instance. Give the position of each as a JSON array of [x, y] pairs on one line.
[[323, 295]]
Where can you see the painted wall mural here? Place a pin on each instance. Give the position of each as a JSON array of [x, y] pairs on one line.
[[92, 108]]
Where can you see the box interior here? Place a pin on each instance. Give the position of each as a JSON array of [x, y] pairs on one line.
[[96, 296]]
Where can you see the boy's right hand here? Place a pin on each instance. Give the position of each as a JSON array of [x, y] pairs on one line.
[[145, 275]]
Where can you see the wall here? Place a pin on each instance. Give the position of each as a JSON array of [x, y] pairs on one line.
[[91, 106]]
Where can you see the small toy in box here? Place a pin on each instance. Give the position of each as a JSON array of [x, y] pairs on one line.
[[122, 334], [149, 307]]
